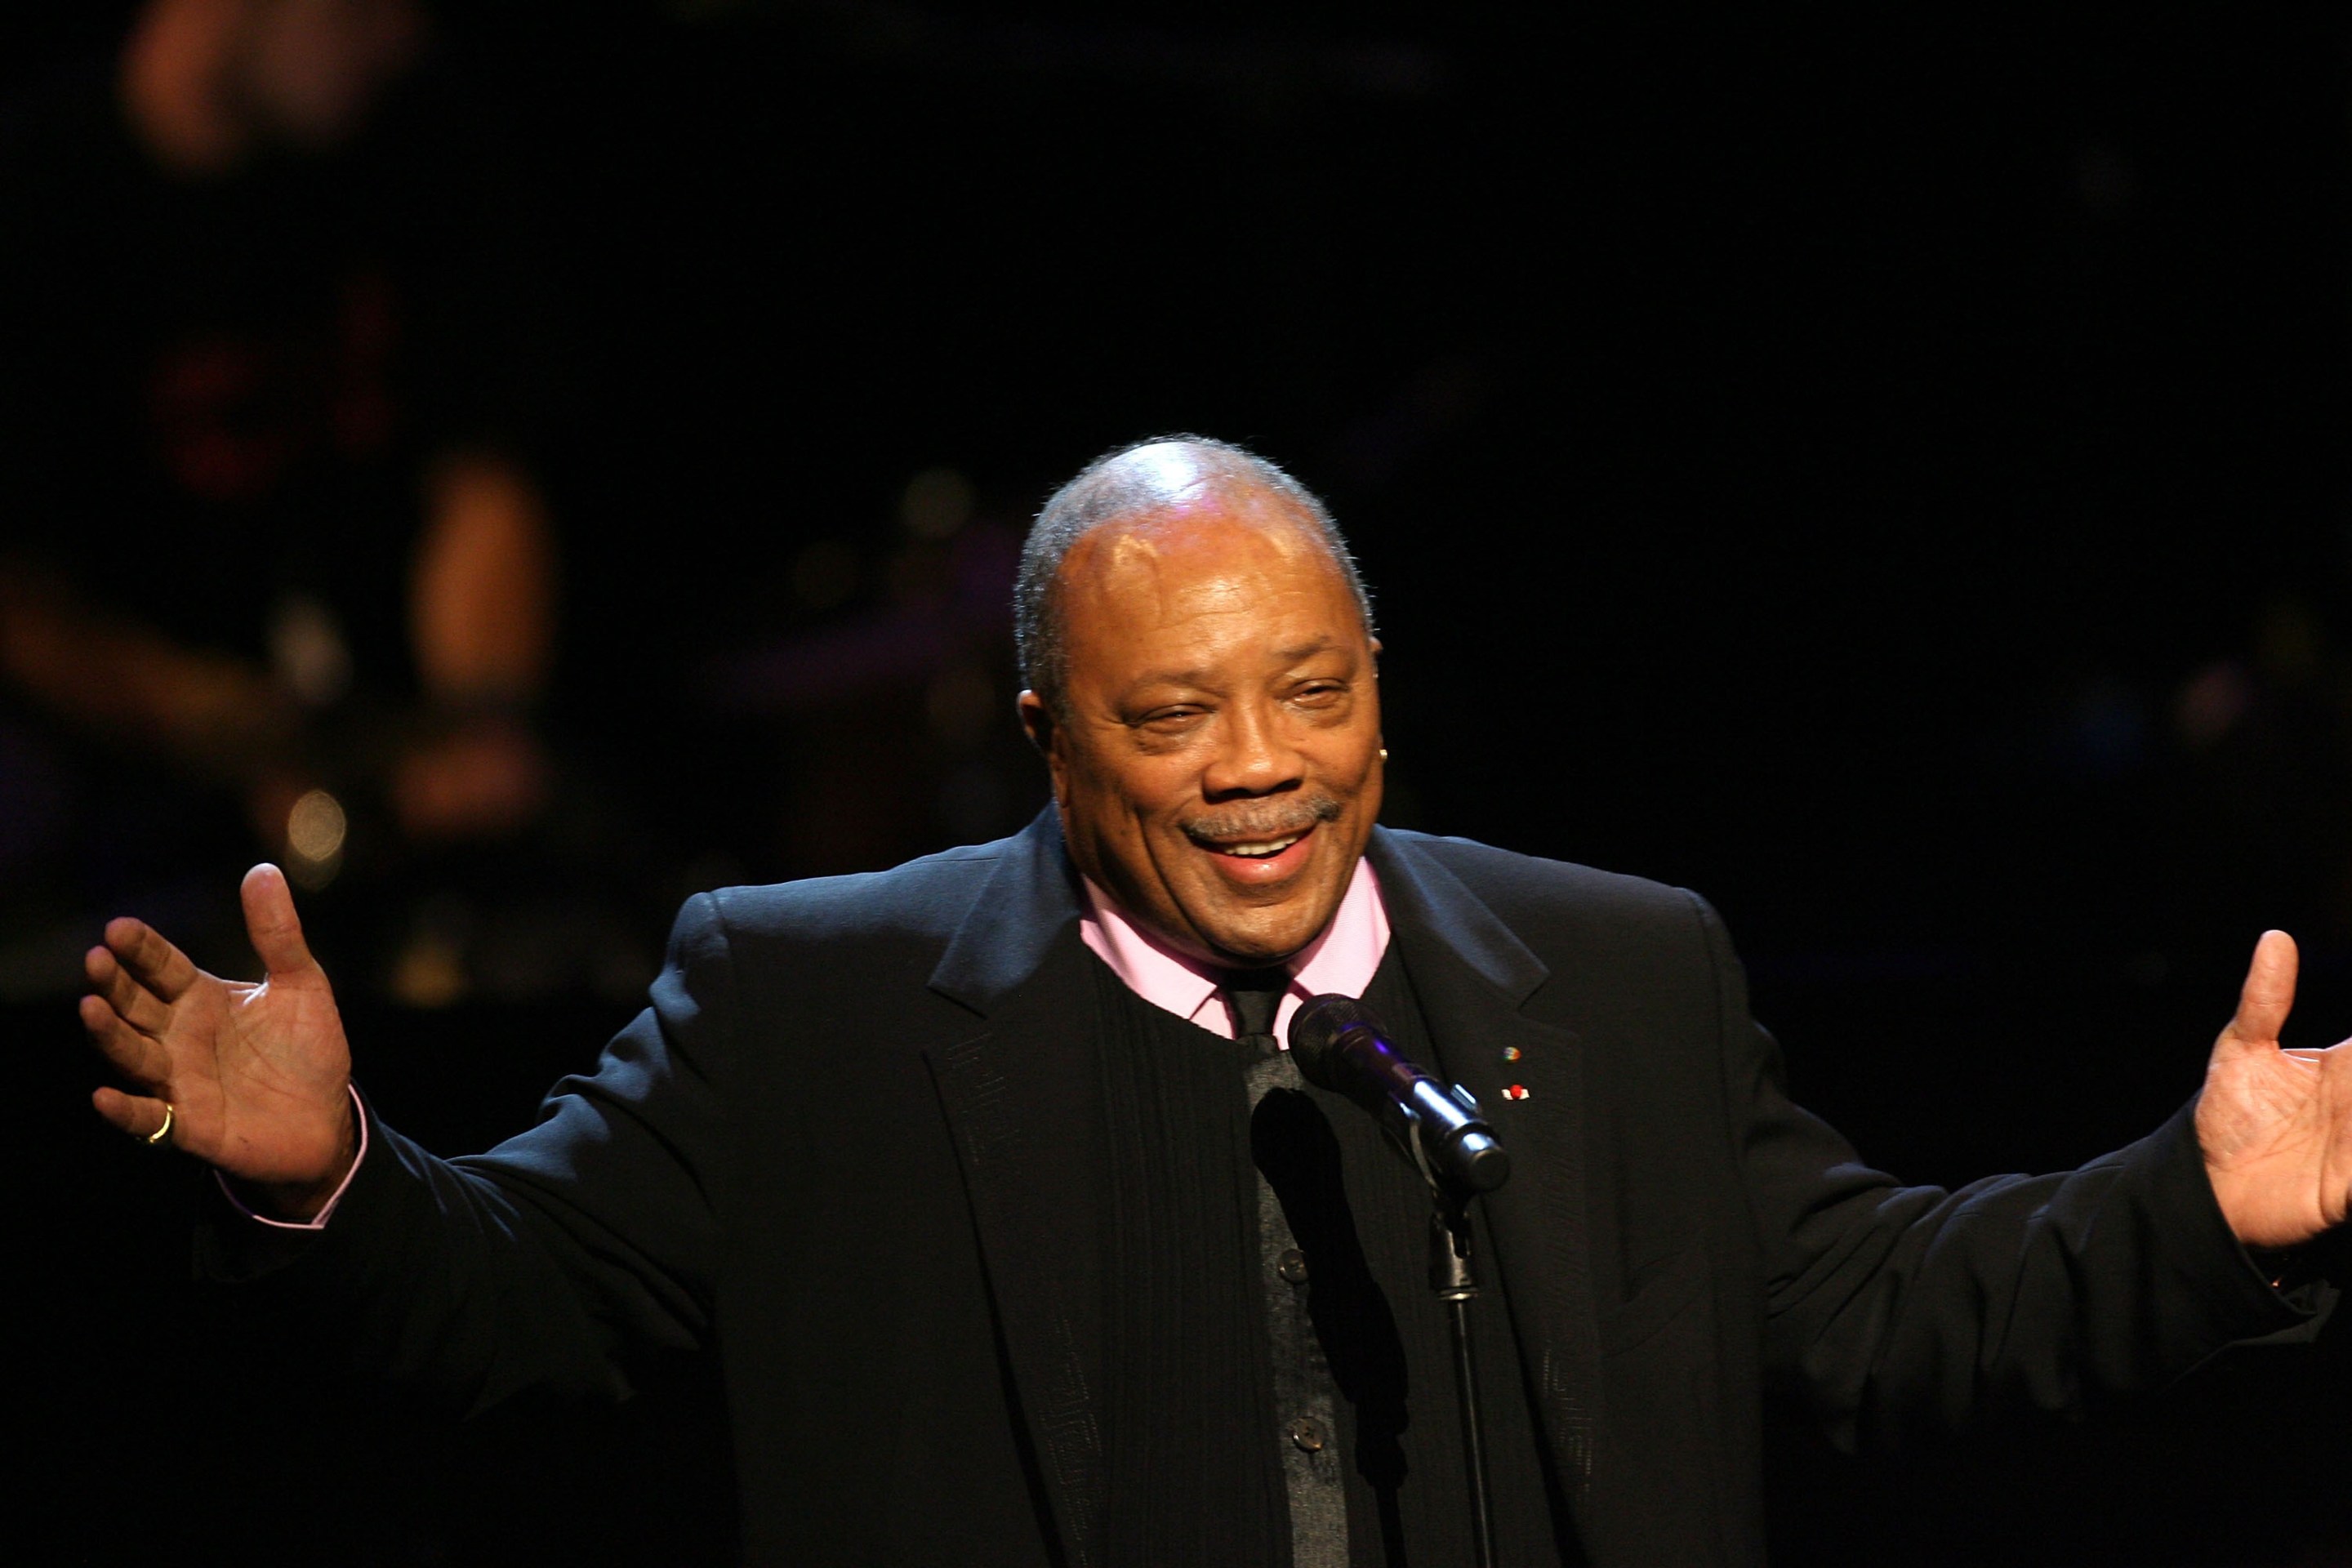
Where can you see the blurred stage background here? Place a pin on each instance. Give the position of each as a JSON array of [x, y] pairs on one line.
[[1890, 476]]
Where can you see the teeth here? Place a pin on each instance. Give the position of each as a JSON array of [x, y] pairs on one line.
[[1258, 851]]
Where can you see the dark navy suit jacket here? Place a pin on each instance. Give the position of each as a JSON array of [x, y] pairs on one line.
[[897, 1291]]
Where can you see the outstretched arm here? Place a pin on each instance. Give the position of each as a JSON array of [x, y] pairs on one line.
[[2276, 1125], [255, 1077], [1894, 1310]]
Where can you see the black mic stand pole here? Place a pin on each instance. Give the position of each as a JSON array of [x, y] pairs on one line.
[[1455, 1281], [1337, 1046]]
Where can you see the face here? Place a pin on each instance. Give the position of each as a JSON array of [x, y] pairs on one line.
[[1217, 764]]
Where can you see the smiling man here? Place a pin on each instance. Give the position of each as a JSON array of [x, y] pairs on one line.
[[1021, 1241], [1204, 691]]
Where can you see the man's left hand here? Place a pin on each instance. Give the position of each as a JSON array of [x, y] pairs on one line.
[[2276, 1125]]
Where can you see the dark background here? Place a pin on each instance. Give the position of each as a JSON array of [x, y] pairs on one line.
[[1889, 476]]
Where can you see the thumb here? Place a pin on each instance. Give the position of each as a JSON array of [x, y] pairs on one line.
[[2265, 999], [272, 924]]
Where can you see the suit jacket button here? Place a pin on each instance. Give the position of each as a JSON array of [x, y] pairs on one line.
[[1292, 1266], [1307, 1433]]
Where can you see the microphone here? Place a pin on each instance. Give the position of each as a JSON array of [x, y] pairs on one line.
[[1338, 1044]]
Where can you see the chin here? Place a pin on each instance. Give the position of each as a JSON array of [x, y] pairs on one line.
[[1261, 944], [1242, 951]]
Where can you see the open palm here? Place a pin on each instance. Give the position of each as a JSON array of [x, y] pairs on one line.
[[2276, 1125], [256, 1076]]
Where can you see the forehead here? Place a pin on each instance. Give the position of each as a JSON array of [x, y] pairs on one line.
[[1205, 558]]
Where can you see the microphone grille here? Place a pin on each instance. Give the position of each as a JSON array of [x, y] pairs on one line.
[[1315, 1031]]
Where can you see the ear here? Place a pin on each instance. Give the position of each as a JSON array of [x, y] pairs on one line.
[[1037, 721]]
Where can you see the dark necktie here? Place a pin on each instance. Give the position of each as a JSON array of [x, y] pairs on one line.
[[1305, 1399], [1256, 996]]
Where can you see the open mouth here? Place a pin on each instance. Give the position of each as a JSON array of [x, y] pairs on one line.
[[1265, 844], [1264, 850], [1262, 862]]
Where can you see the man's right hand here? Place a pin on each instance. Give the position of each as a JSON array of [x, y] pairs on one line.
[[258, 1076]]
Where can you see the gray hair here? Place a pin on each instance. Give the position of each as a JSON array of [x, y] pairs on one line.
[[1112, 488]]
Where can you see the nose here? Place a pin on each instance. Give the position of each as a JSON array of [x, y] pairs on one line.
[[1254, 755]]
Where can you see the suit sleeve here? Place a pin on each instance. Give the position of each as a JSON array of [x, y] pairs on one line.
[[1893, 1308], [547, 1261]]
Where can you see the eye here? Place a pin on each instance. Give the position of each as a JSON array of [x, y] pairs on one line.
[[1320, 693], [1171, 720]]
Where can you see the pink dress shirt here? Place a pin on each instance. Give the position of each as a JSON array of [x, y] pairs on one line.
[[1342, 959]]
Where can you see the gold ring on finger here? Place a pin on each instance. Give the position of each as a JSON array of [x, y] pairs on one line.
[[162, 1135]]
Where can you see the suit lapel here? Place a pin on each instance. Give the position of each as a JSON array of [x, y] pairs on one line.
[[1020, 1094], [1472, 975]]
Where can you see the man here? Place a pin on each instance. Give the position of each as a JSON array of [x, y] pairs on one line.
[[1018, 1243]]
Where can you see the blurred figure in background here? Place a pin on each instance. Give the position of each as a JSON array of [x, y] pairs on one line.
[[886, 679], [254, 330]]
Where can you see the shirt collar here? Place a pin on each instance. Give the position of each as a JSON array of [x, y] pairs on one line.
[[1343, 958]]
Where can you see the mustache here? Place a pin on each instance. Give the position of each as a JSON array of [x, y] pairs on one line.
[[1255, 822]]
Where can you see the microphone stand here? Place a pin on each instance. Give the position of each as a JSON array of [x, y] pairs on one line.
[[1452, 1275], [1338, 1046]]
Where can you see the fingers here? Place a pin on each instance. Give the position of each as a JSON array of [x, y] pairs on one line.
[[161, 967], [131, 1001], [2267, 997], [271, 920], [136, 1114], [134, 1055]]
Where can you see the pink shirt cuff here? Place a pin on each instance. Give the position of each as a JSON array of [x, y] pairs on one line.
[[318, 1221]]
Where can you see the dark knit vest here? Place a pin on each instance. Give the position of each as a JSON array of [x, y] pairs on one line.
[[1193, 1435]]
